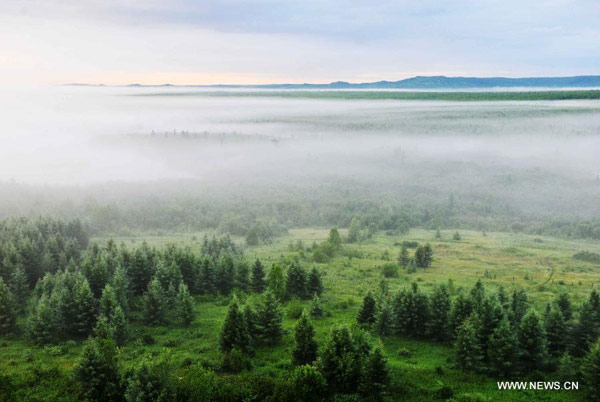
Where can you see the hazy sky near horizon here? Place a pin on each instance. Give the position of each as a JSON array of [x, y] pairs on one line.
[[269, 41]]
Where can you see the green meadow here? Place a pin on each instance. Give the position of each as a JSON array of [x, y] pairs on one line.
[[543, 266]]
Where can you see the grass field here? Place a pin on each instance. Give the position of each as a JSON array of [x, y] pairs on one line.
[[544, 266]]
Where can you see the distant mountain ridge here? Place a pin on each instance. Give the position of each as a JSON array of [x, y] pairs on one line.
[[422, 82]]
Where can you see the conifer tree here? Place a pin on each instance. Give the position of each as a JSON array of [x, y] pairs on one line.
[[518, 307], [154, 303], [206, 280], [295, 283], [490, 314], [585, 330], [341, 362], [120, 324], [305, 349], [86, 311], [467, 345], [120, 285], [234, 333], [108, 301], [316, 309], [185, 305], [8, 309], [142, 268], [439, 313], [403, 258], [591, 372], [366, 315], [502, 351], [564, 304], [44, 321], [532, 342], [225, 274], [307, 384], [277, 281], [251, 322], [314, 285], [384, 324], [556, 333], [242, 278], [19, 287], [334, 238], [258, 277], [375, 378], [98, 372], [477, 294], [269, 319], [503, 300]]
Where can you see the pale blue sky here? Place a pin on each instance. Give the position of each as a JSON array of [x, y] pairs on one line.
[[263, 41]]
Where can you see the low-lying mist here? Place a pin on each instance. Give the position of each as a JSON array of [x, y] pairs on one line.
[[109, 144]]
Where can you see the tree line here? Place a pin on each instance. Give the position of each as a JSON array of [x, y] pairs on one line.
[[497, 333]]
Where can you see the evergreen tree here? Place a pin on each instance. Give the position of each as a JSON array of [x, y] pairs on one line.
[[467, 345], [316, 310], [251, 319], [564, 304], [503, 300], [269, 319], [341, 362], [366, 315], [305, 350], [334, 238], [234, 333], [118, 320], [295, 283], [19, 287], [308, 385], [242, 279], [384, 324], [258, 277], [120, 285], [556, 333], [403, 258], [314, 285], [518, 307], [502, 351], [108, 301], [585, 331], [86, 311], [185, 305], [591, 372], [277, 281], [490, 314], [354, 231], [477, 294], [206, 280], [141, 269], [8, 309], [532, 342], [375, 378], [151, 382], [154, 303], [44, 321], [98, 372], [439, 313], [225, 274]]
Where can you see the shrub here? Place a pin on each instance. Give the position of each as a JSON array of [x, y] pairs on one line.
[[390, 270], [235, 361]]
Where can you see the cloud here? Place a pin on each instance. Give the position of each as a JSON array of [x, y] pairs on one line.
[[266, 41]]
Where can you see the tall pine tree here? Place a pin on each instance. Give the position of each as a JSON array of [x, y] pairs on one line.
[[305, 349]]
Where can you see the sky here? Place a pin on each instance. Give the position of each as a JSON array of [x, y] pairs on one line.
[[279, 41]]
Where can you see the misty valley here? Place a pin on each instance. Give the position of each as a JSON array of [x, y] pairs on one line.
[[173, 244]]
